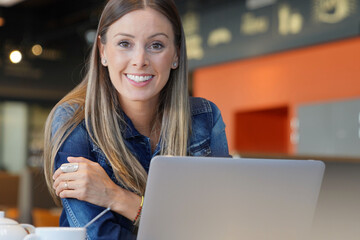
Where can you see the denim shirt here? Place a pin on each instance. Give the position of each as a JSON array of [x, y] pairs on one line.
[[207, 139]]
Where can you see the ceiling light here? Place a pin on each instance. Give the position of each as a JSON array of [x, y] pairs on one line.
[[90, 36], [37, 50], [2, 21], [255, 4], [15, 56], [9, 3]]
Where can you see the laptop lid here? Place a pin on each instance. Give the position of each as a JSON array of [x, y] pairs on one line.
[[206, 198]]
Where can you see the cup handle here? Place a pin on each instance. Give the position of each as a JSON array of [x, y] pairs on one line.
[[29, 228], [31, 236]]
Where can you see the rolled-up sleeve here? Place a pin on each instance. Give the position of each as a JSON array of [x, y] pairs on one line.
[[79, 213], [218, 140]]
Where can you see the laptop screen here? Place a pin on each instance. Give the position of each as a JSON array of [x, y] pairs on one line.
[[226, 198]]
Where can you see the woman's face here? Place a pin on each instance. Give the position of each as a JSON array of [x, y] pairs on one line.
[[139, 53]]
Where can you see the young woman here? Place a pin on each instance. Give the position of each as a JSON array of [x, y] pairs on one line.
[[133, 104]]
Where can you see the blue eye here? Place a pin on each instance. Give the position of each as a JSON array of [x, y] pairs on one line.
[[124, 44]]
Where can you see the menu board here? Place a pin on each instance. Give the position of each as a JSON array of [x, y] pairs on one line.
[[217, 31], [234, 31]]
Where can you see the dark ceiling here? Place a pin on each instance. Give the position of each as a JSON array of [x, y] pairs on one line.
[[59, 22], [50, 22], [60, 27]]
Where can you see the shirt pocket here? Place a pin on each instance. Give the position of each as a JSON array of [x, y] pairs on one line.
[[201, 148]]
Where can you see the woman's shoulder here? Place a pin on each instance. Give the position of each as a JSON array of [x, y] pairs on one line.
[[208, 129], [200, 105], [202, 121], [62, 114], [65, 110], [204, 114]]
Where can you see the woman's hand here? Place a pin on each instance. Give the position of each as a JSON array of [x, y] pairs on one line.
[[91, 183]]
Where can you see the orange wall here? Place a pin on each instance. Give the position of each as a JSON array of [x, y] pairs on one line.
[[323, 72], [263, 131]]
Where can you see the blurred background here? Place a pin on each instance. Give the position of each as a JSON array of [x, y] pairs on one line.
[[285, 74]]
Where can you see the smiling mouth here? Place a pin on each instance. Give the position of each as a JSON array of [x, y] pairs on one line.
[[137, 78]]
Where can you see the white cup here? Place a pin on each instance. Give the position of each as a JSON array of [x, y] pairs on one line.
[[57, 233]]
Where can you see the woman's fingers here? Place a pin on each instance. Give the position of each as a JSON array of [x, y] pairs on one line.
[[78, 179], [66, 194], [70, 193], [71, 160], [66, 177], [57, 173], [89, 183], [62, 186], [79, 160], [70, 186]]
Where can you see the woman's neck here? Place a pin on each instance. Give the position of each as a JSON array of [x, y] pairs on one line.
[[142, 115]]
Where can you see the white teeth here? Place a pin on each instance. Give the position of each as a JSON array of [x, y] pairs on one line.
[[137, 78]]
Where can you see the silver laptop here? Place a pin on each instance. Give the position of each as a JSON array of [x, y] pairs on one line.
[[200, 198]]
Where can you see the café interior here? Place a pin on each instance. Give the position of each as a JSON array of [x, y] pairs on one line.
[[285, 75]]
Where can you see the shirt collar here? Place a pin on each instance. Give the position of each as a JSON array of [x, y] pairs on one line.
[[129, 130]]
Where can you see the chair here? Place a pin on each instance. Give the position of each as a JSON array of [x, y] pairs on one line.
[[35, 203]]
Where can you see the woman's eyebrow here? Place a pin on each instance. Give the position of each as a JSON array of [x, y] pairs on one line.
[[124, 34], [157, 34], [132, 36]]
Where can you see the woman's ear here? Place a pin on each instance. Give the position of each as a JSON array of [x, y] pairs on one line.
[[102, 52], [175, 62]]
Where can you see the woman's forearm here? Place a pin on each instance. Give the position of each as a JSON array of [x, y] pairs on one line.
[[124, 202]]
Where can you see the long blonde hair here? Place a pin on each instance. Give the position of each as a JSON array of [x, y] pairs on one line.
[[96, 101]]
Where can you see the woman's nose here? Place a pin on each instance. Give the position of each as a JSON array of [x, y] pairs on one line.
[[140, 58]]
